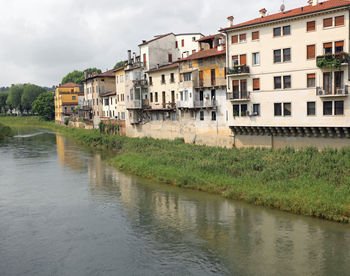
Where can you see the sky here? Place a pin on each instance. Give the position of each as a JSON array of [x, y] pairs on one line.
[[43, 40]]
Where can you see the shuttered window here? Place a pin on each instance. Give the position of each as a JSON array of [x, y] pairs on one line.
[[235, 60], [255, 35], [327, 48], [311, 51], [327, 22], [311, 26], [339, 46], [243, 59], [311, 80], [242, 38], [339, 20], [234, 39], [256, 84]]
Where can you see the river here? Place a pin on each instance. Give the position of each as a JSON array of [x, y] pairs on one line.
[[64, 211]]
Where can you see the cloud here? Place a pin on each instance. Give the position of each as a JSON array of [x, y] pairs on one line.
[[41, 41]]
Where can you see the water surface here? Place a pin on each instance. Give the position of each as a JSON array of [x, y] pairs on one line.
[[65, 212]]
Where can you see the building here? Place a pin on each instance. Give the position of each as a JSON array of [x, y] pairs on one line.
[[288, 77], [66, 99], [96, 85], [120, 92], [109, 106]]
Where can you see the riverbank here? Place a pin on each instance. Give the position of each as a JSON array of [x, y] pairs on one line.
[[307, 182], [5, 132]]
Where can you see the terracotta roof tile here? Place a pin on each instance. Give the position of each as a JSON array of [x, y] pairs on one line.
[[204, 54], [113, 93], [165, 67], [331, 4], [69, 84], [204, 38]]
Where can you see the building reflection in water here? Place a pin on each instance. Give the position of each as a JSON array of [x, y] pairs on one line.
[[230, 234], [69, 155]]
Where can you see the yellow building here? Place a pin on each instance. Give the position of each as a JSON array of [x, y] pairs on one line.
[[66, 98]]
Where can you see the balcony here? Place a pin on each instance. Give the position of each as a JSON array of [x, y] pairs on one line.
[[205, 104], [219, 81], [338, 92], [238, 70], [241, 96], [140, 83], [332, 60]]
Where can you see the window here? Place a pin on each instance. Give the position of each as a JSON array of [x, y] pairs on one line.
[[243, 59], [156, 97], [311, 108], [278, 82], [286, 55], [234, 39], [193, 38], [287, 109], [287, 82], [327, 48], [327, 22], [190, 65], [311, 26], [244, 108], [256, 58], [213, 115], [339, 46], [255, 35], [235, 110], [256, 84], [74, 97], [242, 38], [201, 115], [183, 43], [256, 109], [235, 60], [170, 58], [311, 51], [278, 109], [277, 56], [328, 108], [144, 60], [163, 79], [338, 80], [311, 80], [151, 97], [200, 62], [172, 78], [187, 76], [339, 108], [277, 31], [176, 44], [286, 30], [339, 20]]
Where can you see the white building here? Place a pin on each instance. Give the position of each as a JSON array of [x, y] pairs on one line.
[[279, 87]]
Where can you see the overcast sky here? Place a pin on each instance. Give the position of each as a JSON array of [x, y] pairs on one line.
[[42, 40]]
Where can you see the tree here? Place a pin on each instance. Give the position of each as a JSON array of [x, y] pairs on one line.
[[44, 106], [30, 93], [3, 98], [119, 64], [14, 97], [78, 76]]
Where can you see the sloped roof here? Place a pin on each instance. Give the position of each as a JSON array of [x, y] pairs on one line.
[[156, 38], [209, 37], [322, 6], [69, 85], [107, 74], [165, 67], [204, 54], [113, 93]]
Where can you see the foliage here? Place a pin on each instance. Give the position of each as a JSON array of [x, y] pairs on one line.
[[30, 93], [109, 128], [44, 106], [66, 121], [3, 105], [119, 64], [78, 76], [5, 131], [15, 96], [308, 181]]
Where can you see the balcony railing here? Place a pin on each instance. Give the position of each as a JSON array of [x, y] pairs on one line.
[[332, 60], [138, 83], [337, 92], [238, 70], [205, 103], [238, 96], [218, 81], [134, 104]]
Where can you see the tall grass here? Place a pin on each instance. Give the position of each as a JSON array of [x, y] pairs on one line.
[[308, 182]]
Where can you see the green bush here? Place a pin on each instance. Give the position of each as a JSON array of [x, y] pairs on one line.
[[66, 121]]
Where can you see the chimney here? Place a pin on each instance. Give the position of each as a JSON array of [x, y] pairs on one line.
[[263, 12], [129, 56], [85, 74], [230, 21], [144, 41], [134, 56], [312, 2], [157, 66]]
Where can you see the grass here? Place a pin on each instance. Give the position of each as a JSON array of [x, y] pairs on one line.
[[5, 131], [308, 182]]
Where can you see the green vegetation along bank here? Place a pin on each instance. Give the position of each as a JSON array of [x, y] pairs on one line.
[[307, 182], [5, 131]]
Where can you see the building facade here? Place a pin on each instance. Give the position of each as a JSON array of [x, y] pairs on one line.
[[66, 99], [288, 77]]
